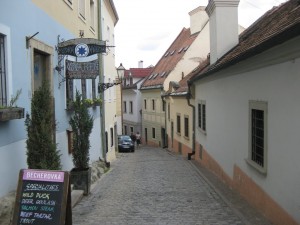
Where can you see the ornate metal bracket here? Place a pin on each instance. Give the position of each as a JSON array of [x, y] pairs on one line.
[[103, 86], [60, 68]]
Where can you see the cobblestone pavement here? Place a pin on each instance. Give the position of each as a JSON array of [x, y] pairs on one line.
[[154, 186]]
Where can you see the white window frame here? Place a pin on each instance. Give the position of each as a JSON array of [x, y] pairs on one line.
[[186, 129], [178, 125], [153, 133], [263, 106], [125, 107], [202, 113], [131, 107], [4, 30], [153, 105]]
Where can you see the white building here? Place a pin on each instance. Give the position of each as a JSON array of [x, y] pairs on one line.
[[132, 100], [247, 107]]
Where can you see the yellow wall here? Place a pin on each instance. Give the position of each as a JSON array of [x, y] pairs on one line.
[[68, 15], [179, 105]]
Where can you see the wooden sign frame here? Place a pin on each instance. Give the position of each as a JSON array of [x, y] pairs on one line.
[[43, 197]]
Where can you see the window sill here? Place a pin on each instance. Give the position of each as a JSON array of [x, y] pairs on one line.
[[186, 138], [11, 113], [202, 131], [260, 169]]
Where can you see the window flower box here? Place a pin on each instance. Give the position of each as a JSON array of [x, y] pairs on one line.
[[11, 113]]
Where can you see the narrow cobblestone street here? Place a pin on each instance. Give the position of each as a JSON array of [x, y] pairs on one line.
[[154, 186]]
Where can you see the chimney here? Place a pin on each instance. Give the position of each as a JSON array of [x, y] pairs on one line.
[[198, 19], [223, 25], [141, 64]]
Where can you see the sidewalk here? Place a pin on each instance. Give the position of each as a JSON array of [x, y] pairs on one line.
[[249, 214]]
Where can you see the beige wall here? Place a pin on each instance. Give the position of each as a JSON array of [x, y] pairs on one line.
[[179, 106], [68, 15], [111, 95], [153, 118]]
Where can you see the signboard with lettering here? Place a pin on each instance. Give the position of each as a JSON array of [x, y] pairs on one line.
[[81, 47], [82, 70], [43, 198]]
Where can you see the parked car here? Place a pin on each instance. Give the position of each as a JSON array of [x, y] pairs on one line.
[[125, 144]]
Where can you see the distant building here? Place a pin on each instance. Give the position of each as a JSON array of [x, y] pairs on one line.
[[179, 60], [131, 98]]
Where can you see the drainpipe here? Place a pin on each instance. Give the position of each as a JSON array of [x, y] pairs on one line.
[[165, 141], [101, 80], [188, 98]]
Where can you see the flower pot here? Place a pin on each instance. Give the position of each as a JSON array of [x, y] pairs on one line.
[[11, 113], [81, 179]]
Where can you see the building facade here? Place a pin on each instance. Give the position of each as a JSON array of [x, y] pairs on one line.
[[28, 55], [244, 132], [131, 99]]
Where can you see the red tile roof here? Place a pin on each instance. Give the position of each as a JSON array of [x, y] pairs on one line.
[[170, 59], [183, 84], [276, 26], [138, 72]]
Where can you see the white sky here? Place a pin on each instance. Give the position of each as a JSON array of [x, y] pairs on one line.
[[146, 28]]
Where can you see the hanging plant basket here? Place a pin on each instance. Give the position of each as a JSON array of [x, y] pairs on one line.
[[11, 113]]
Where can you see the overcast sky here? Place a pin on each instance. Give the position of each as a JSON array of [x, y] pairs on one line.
[[146, 28]]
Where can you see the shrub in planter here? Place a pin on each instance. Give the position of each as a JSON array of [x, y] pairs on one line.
[[82, 125], [42, 151]]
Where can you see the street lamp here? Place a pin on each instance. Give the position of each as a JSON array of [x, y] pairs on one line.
[[121, 72]]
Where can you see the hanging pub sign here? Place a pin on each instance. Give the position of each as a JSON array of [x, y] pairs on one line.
[[81, 47], [82, 70]]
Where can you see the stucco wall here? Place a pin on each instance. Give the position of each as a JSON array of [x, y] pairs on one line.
[[273, 77], [32, 19]]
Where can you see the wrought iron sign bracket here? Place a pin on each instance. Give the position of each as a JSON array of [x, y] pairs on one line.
[[103, 86], [60, 63]]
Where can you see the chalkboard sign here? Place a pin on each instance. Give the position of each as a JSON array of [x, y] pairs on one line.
[[43, 198]]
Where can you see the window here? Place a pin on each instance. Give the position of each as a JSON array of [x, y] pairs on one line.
[[163, 106], [83, 88], [111, 137], [125, 107], [108, 34], [258, 135], [131, 107], [153, 104], [145, 104], [153, 132], [131, 130], [186, 126], [178, 123], [125, 129], [3, 75], [82, 8], [92, 14], [202, 115]]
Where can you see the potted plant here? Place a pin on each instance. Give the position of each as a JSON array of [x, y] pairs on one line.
[[12, 111], [42, 150], [81, 123]]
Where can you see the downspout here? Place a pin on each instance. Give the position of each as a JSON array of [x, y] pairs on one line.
[[166, 140], [188, 98], [101, 80]]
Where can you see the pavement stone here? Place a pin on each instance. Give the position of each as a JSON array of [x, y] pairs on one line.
[[155, 186]]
